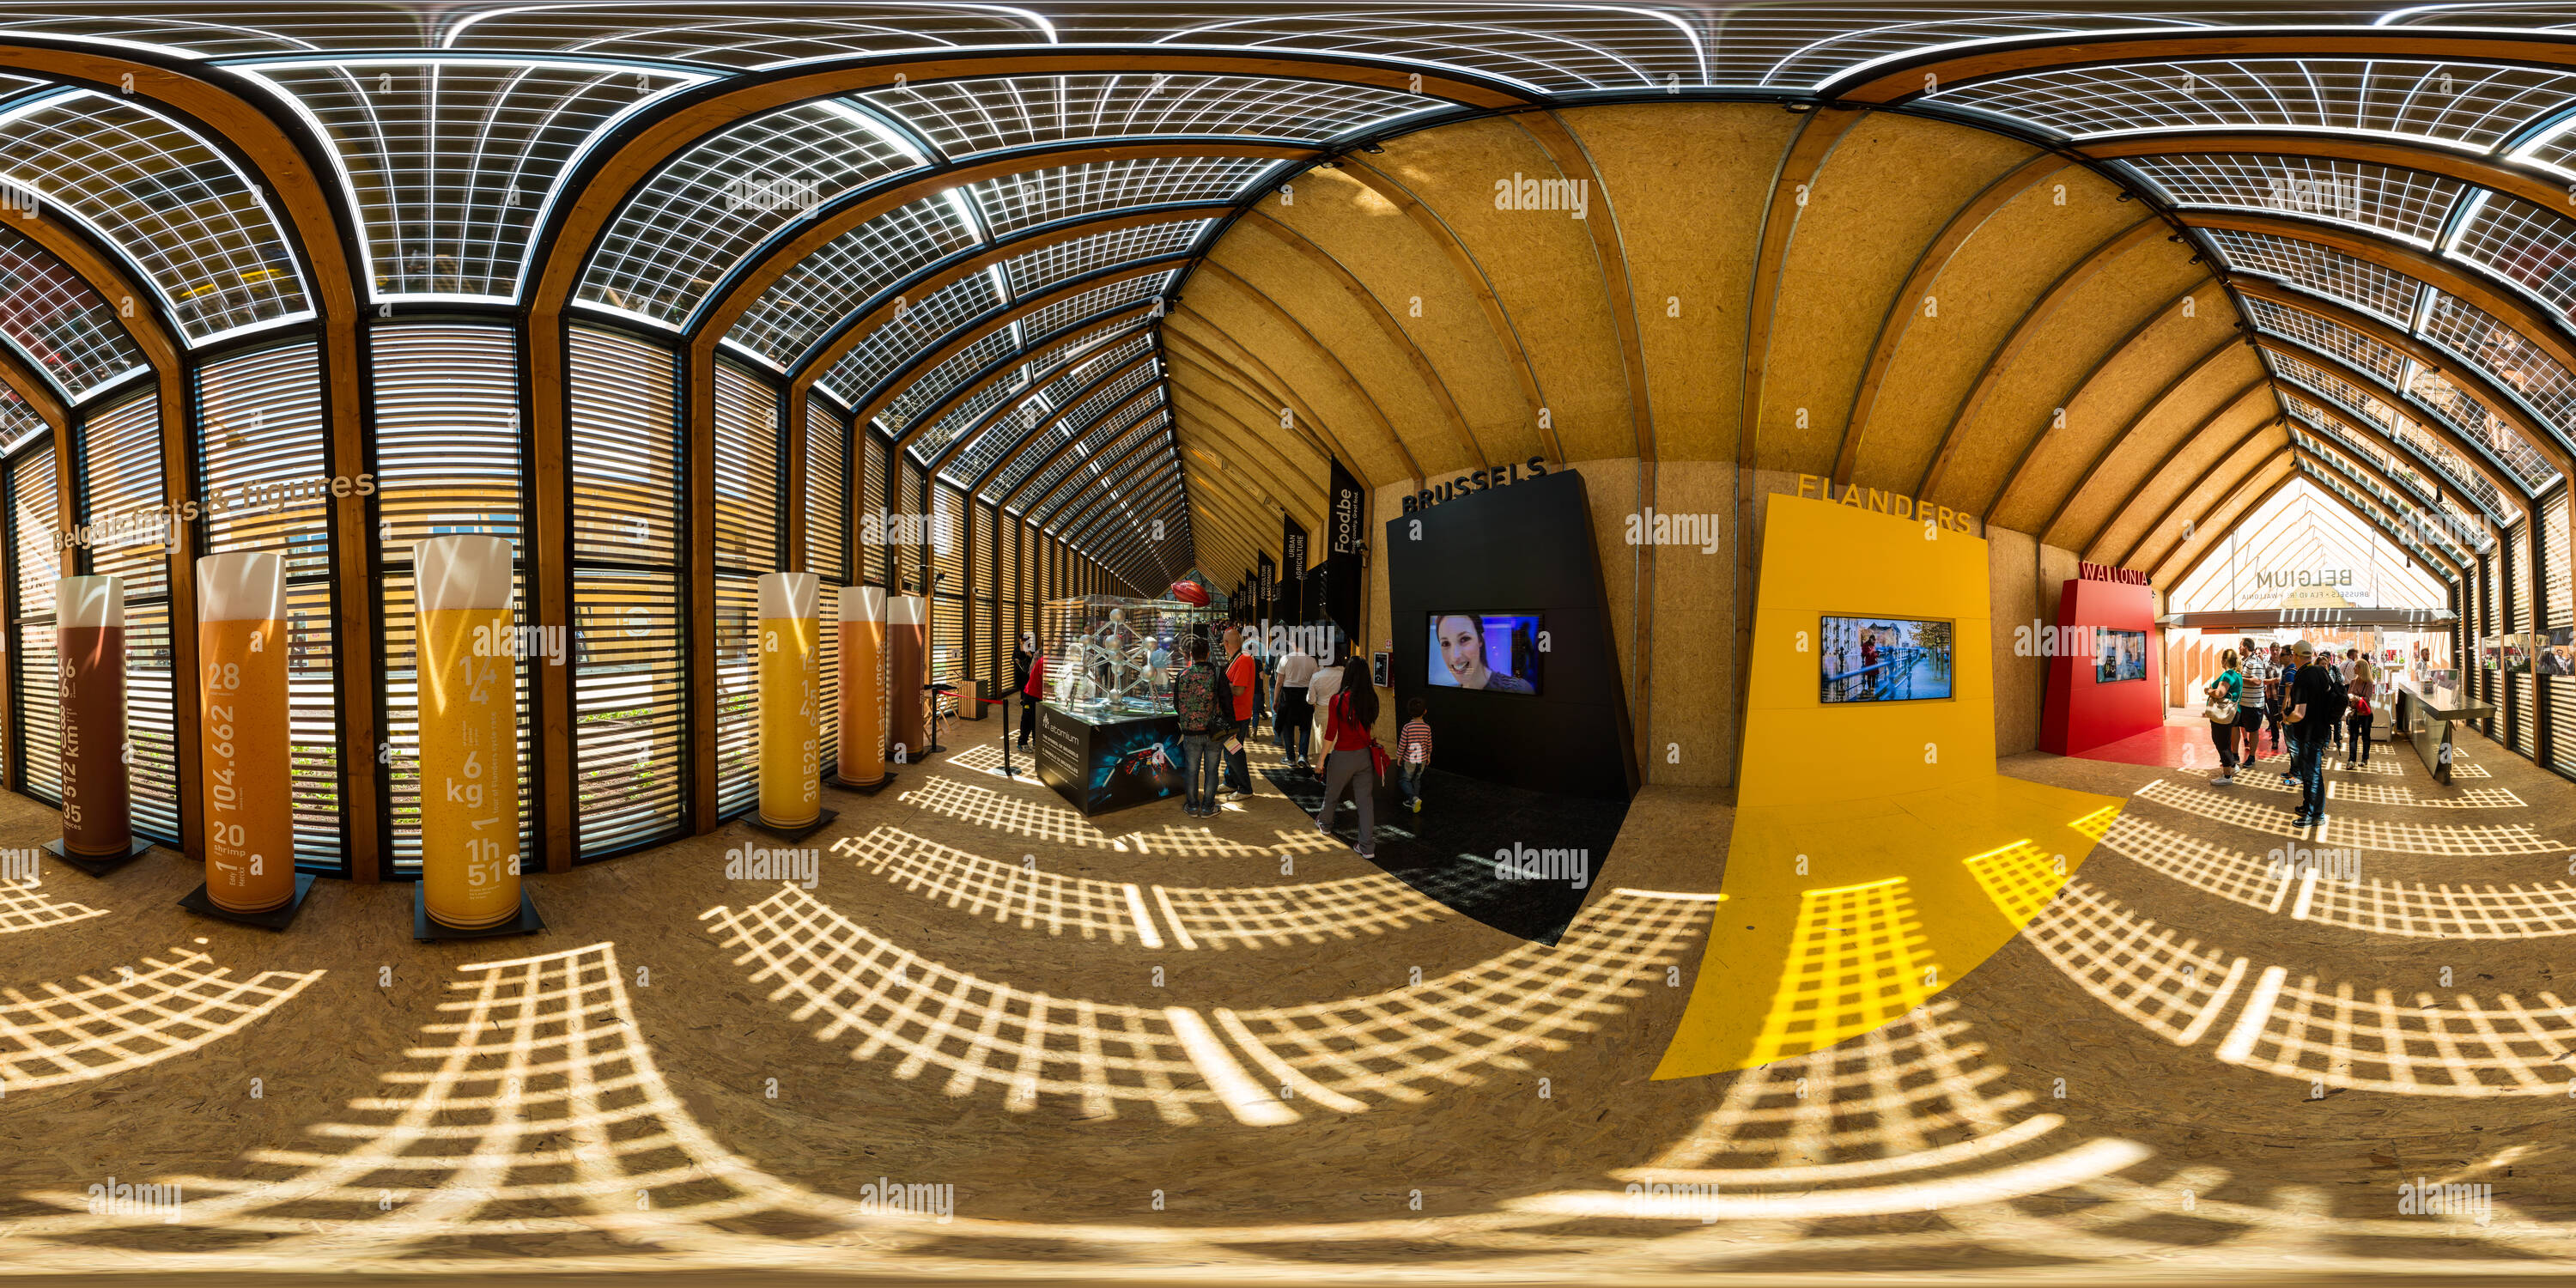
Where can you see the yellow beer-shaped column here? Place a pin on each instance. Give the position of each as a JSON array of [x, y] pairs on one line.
[[469, 731], [241, 701], [89, 631], [791, 746], [863, 694]]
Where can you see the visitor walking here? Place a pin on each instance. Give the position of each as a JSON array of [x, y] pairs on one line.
[[1350, 716], [2314, 705], [1292, 721], [2225, 697], [1024, 681], [1320, 688], [1244, 675], [2360, 706], [1413, 753], [2255, 703], [1199, 704]]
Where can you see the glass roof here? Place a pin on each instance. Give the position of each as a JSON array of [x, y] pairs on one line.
[[451, 163], [455, 125], [57, 323], [187, 217]]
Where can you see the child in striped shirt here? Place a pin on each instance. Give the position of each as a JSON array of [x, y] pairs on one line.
[[1413, 754]]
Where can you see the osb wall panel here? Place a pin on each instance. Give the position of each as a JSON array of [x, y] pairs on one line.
[[2110, 398], [1688, 185], [2013, 562], [1987, 285], [2130, 533], [2095, 316], [1414, 278], [1885, 192], [1341, 323], [1693, 725], [1300, 368], [1543, 269], [2235, 376], [2225, 506]]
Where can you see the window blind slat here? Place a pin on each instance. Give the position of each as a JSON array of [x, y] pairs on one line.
[[629, 681], [447, 461]]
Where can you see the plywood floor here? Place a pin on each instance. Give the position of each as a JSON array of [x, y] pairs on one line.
[[708, 1078]]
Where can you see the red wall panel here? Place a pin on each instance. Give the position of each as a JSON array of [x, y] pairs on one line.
[[2082, 712]]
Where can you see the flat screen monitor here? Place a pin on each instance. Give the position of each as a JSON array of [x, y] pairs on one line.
[[1884, 659], [2118, 655], [1495, 652]]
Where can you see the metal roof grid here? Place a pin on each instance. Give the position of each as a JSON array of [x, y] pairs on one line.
[[843, 274], [2406, 204], [182, 211], [713, 204]]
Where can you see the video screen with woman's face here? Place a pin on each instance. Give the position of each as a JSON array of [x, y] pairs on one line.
[[1496, 652]]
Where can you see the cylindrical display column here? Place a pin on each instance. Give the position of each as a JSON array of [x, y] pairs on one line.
[[907, 670], [469, 731], [863, 692], [791, 749], [247, 788], [89, 631]]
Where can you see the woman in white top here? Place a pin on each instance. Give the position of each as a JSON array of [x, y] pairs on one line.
[[1320, 689]]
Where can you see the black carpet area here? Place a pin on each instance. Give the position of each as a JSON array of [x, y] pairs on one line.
[[1448, 850]]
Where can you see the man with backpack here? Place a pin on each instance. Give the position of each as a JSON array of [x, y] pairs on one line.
[[1205, 709], [2313, 701]]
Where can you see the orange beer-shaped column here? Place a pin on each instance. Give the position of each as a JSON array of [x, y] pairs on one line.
[[89, 630], [791, 678], [469, 731], [907, 671], [246, 787], [863, 691]]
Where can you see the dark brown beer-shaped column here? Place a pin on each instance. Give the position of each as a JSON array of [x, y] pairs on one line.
[[907, 669], [89, 631]]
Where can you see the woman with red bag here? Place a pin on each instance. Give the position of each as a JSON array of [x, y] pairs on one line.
[[1352, 757]]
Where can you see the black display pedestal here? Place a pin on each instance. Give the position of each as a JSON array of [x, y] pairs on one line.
[[425, 930], [838, 784], [98, 866], [821, 821], [1111, 762], [277, 918]]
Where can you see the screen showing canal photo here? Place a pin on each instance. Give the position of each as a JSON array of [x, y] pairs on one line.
[[2118, 655], [1884, 659]]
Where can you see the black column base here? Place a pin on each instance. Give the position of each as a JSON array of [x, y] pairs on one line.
[[821, 821], [425, 929], [838, 783], [277, 918], [97, 865]]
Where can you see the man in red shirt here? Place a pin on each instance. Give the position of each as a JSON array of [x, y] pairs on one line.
[[1241, 672]]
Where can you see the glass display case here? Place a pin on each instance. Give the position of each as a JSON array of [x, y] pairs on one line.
[[1110, 657]]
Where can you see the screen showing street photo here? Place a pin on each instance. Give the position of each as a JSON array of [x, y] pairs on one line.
[[1496, 652], [2119, 655], [1885, 659]]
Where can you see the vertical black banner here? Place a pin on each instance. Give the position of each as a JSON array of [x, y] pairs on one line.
[[1339, 597], [1265, 587], [1291, 605]]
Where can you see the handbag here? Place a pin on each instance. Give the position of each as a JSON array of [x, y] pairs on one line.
[[1377, 759], [2220, 710]]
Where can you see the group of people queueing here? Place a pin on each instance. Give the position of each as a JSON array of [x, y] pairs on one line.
[[1219, 696], [2313, 703]]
